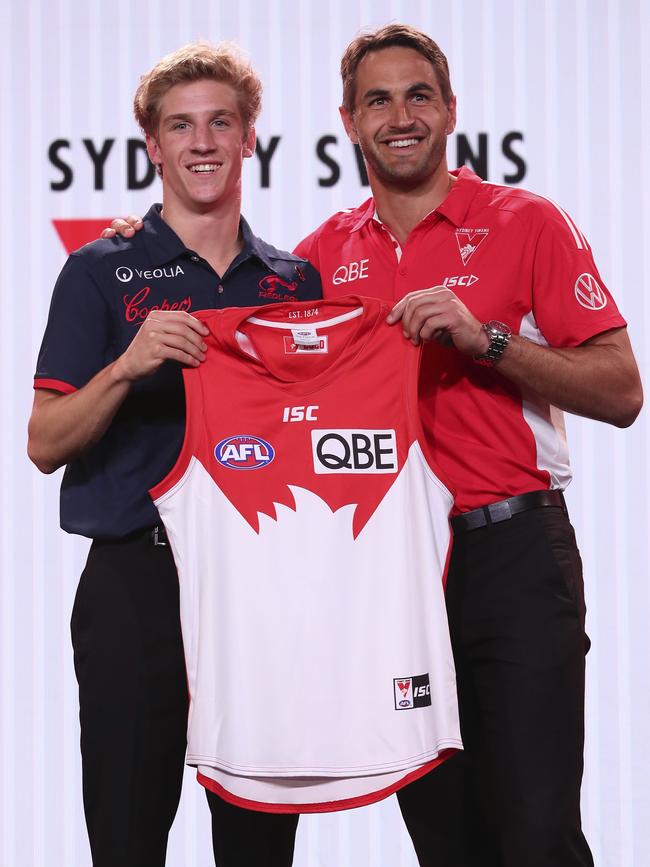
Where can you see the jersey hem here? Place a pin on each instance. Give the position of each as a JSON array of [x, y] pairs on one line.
[[323, 806], [288, 771]]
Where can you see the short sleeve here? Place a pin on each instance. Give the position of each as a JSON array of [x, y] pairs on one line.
[[76, 340], [570, 300]]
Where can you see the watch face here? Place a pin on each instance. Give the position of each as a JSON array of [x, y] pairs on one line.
[[499, 327]]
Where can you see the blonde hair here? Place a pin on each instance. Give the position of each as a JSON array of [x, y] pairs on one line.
[[198, 61]]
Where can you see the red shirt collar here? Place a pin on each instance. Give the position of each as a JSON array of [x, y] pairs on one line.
[[454, 207]]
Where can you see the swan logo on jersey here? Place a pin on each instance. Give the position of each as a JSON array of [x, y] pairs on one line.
[[589, 293], [354, 451], [468, 241], [412, 691], [244, 452]]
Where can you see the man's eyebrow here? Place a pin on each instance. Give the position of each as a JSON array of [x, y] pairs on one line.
[[421, 85], [217, 112], [375, 92]]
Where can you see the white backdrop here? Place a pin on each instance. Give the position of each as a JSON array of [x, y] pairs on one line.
[[571, 80]]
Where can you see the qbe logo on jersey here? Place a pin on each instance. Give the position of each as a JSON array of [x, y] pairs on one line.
[[412, 692], [244, 452], [354, 451]]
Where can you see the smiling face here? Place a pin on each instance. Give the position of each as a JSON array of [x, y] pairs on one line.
[[200, 144], [400, 119]]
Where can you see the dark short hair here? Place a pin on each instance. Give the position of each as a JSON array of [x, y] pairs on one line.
[[386, 37]]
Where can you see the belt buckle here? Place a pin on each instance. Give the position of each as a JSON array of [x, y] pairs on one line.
[[500, 511]]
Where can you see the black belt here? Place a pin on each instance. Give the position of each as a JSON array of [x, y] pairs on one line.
[[505, 509]]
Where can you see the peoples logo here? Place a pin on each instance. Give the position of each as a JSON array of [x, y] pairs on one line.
[[589, 293], [244, 452]]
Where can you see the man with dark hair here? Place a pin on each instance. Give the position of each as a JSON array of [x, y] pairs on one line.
[[109, 404], [518, 326]]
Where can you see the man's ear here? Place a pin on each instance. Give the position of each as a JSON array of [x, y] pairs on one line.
[[153, 150], [348, 123], [451, 121], [249, 142]]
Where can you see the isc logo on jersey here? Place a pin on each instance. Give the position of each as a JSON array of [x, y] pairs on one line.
[[354, 451], [412, 692], [244, 452]]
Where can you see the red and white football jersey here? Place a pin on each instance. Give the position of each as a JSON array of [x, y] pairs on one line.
[[310, 530]]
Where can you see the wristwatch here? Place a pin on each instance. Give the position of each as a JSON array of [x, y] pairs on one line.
[[499, 335]]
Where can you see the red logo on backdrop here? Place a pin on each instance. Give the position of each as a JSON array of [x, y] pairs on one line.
[[137, 311], [75, 233], [276, 288]]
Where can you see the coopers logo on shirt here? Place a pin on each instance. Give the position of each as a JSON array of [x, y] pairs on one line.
[[125, 275], [137, 306], [244, 452], [354, 451]]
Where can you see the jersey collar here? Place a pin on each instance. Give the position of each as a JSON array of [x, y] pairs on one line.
[[454, 207], [164, 245]]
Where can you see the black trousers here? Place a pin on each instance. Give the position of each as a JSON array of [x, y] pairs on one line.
[[516, 611], [133, 699]]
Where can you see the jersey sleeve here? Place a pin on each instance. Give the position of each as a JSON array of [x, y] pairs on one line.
[[570, 300], [76, 338]]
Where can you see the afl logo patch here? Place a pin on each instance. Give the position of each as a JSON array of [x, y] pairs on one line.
[[244, 452]]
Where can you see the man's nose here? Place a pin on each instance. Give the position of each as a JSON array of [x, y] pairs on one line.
[[401, 116], [203, 139]]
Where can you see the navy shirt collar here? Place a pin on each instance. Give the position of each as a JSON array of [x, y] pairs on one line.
[[164, 245]]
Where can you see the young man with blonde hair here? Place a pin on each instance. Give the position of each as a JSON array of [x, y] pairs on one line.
[[109, 404]]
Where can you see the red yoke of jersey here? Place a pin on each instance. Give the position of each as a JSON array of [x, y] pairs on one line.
[[312, 382]]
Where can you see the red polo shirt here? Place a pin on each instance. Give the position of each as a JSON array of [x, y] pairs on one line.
[[509, 255]]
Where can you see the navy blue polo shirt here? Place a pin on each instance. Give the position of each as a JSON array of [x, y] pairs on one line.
[[102, 296]]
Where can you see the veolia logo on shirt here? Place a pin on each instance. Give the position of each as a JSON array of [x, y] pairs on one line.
[[244, 452], [125, 275], [354, 451]]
